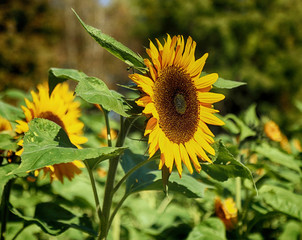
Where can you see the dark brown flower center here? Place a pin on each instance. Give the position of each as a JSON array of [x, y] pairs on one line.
[[177, 105], [52, 117]]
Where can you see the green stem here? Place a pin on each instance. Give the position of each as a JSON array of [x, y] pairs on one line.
[[238, 193], [108, 194], [4, 207], [116, 209], [95, 193], [107, 127]]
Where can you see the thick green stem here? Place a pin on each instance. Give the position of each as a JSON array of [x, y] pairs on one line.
[[4, 207], [108, 197], [116, 209]]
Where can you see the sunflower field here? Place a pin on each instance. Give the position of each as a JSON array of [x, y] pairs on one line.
[[163, 156]]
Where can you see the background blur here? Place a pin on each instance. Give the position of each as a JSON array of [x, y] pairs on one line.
[[254, 41]]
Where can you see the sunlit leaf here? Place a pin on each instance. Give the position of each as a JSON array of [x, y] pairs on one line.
[[46, 143], [282, 200], [211, 228], [114, 47], [292, 230], [227, 84], [91, 89], [54, 219], [225, 166], [149, 178]]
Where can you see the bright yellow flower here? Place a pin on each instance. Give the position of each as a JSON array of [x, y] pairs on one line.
[[179, 104], [226, 210], [272, 131], [60, 108]]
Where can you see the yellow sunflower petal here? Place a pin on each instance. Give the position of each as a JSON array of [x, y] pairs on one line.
[[209, 97], [206, 81], [185, 158], [143, 101], [176, 153]]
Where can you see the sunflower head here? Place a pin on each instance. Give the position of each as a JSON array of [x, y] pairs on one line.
[[272, 131], [178, 103], [60, 108], [226, 210]]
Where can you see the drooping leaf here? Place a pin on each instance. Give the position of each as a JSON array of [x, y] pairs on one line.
[[211, 228], [7, 142], [245, 131], [276, 156], [292, 230], [227, 84], [91, 89], [225, 165], [54, 219], [10, 113], [46, 143], [282, 200], [114, 47], [148, 177]]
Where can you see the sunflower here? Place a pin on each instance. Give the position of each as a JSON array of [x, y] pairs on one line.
[[272, 131], [5, 125], [226, 210], [60, 108], [178, 103]]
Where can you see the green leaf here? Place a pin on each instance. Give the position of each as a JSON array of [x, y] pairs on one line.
[[10, 113], [292, 230], [282, 200], [250, 116], [227, 84], [54, 219], [95, 91], [245, 131], [276, 156], [211, 228], [59, 75], [225, 166], [114, 47], [7, 142], [46, 143], [91, 89], [147, 178]]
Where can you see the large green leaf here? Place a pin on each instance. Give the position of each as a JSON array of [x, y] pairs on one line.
[[211, 228], [225, 166], [227, 84], [91, 89], [95, 91], [275, 155], [54, 219], [114, 47], [282, 200], [46, 143], [10, 113], [148, 178]]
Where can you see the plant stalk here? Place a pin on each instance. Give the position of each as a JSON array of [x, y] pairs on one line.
[[4, 207]]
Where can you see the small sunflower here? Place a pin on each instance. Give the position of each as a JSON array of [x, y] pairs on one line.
[[60, 108], [272, 131], [5, 125], [179, 104], [226, 210]]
